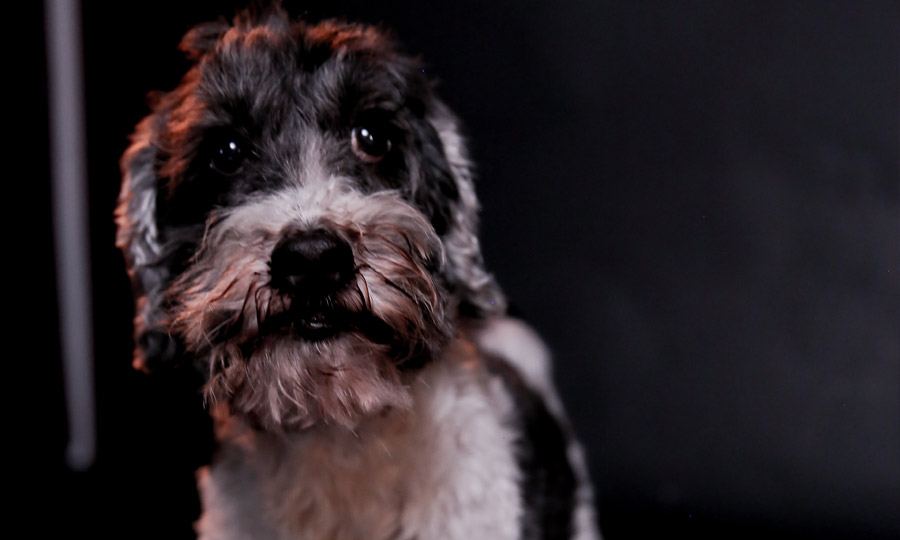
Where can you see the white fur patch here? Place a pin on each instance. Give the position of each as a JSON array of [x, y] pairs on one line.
[[515, 342]]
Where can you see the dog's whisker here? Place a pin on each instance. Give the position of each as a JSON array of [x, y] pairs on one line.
[[261, 300], [364, 291]]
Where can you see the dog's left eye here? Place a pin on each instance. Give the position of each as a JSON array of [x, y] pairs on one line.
[[371, 138], [227, 156]]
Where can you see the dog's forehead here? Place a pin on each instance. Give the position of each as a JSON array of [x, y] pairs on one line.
[[304, 68]]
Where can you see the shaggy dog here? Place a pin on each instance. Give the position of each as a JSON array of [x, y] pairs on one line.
[[298, 219]]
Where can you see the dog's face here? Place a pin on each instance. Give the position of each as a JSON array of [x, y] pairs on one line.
[[298, 217]]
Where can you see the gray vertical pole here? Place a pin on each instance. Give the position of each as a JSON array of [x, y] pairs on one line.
[[70, 223]]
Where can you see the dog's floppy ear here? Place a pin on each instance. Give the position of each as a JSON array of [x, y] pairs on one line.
[[138, 238], [148, 257], [480, 296]]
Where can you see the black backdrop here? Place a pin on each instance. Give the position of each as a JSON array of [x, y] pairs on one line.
[[696, 203]]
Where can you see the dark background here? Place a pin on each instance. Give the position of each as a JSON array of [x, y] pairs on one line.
[[696, 203]]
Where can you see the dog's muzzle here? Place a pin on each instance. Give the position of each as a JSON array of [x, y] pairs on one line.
[[311, 268]]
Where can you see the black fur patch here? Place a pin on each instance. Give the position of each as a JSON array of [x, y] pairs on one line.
[[549, 483]]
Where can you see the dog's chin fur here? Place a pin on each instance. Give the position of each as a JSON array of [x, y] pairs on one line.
[[343, 381]]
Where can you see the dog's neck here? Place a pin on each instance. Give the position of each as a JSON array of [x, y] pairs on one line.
[[454, 447]]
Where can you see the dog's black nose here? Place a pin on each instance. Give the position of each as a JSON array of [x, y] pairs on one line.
[[311, 263]]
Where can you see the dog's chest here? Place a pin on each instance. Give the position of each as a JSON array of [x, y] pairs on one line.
[[444, 470]]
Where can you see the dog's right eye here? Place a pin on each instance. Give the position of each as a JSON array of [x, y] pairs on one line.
[[227, 156], [372, 135]]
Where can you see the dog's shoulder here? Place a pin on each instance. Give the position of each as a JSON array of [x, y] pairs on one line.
[[513, 342]]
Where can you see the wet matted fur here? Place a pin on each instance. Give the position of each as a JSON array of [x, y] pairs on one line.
[[299, 220]]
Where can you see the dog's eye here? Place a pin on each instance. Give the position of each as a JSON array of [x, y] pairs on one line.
[[227, 156], [371, 139]]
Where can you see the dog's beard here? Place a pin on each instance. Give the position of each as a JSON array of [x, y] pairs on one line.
[[285, 363]]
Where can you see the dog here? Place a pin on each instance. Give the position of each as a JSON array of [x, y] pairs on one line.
[[298, 219]]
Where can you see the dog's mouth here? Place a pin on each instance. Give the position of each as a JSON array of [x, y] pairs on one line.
[[319, 322], [316, 322]]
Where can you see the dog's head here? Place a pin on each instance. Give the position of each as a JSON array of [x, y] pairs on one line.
[[298, 217]]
